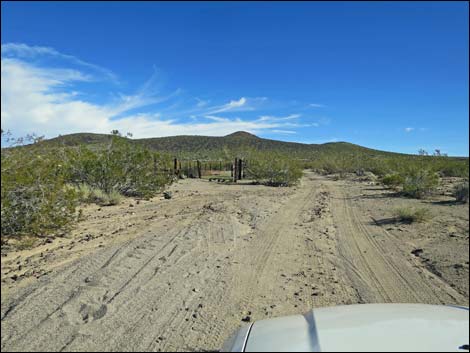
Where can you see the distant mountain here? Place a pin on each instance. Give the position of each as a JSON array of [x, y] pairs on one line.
[[210, 146], [193, 144]]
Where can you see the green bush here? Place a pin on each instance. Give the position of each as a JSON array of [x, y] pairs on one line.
[[461, 192], [393, 180], [122, 167], [410, 215], [34, 197], [42, 186], [273, 169], [420, 183]]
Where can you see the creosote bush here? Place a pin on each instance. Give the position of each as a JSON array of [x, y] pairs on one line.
[[420, 183], [41, 187], [410, 214], [34, 199], [273, 169], [393, 180], [120, 167]]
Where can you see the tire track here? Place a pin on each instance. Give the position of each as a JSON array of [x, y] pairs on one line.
[[380, 271]]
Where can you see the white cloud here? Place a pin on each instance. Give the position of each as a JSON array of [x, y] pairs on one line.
[[284, 131], [243, 104], [201, 103], [315, 105], [280, 118], [215, 118], [23, 51], [43, 100], [409, 129]]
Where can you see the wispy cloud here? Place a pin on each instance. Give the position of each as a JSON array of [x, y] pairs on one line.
[[409, 129], [316, 105], [41, 97], [242, 104], [147, 95], [201, 103], [216, 118], [280, 118], [29, 53], [284, 131]]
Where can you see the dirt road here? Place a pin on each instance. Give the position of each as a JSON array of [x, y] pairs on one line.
[[182, 274]]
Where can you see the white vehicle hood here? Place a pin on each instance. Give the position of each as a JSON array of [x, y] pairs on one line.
[[363, 328]]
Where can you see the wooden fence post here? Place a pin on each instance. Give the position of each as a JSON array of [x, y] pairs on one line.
[[199, 169], [175, 167], [239, 169], [235, 170]]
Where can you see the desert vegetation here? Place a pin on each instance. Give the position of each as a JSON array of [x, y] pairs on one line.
[[412, 214], [41, 186], [402, 220], [43, 181], [461, 192], [415, 176], [273, 169]]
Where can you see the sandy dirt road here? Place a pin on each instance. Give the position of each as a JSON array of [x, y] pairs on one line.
[[182, 274]]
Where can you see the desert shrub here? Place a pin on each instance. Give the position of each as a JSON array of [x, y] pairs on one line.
[[461, 192], [273, 169], [34, 199], [41, 186], [451, 168], [393, 180], [381, 163], [420, 183], [410, 214], [120, 167]]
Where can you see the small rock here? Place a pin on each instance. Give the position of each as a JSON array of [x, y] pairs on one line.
[[167, 195], [246, 319]]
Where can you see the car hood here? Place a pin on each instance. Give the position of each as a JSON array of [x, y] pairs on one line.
[[362, 328]]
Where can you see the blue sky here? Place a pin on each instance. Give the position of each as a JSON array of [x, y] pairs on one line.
[[391, 76]]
